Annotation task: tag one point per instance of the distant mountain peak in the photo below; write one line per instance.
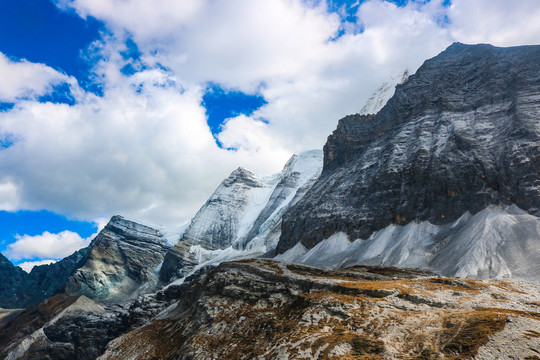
(243, 216)
(381, 96)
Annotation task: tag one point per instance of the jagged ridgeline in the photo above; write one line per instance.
(242, 218)
(458, 142)
(443, 180)
(121, 258)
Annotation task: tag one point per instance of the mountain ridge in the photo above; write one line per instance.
(458, 135)
(19, 289)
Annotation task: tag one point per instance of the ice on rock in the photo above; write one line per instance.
(383, 94)
(242, 218)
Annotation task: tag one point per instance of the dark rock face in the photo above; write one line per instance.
(179, 261)
(19, 289)
(12, 279)
(121, 258)
(81, 336)
(460, 134)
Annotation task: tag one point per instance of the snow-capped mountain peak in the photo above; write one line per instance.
(381, 96)
(243, 215)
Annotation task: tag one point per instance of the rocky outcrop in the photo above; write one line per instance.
(76, 327)
(123, 256)
(459, 135)
(19, 289)
(242, 218)
(264, 309)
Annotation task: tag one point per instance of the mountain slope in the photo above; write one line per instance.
(242, 218)
(19, 289)
(459, 135)
(494, 243)
(12, 278)
(122, 257)
(380, 97)
(264, 309)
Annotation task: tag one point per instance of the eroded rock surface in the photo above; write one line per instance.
(122, 257)
(265, 309)
(459, 135)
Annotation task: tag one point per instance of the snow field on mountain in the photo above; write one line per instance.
(497, 242)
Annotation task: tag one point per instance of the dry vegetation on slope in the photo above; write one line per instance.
(262, 309)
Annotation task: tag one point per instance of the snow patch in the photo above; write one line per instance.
(497, 242)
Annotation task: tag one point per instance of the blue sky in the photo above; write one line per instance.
(36, 30)
(141, 108)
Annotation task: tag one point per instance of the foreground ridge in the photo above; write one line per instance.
(265, 309)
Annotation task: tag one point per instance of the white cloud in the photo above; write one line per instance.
(46, 245)
(8, 196)
(238, 43)
(498, 22)
(29, 265)
(23, 79)
(144, 149)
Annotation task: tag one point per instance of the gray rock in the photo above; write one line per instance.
(460, 134)
(122, 257)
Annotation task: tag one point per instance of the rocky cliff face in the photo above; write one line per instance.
(263, 309)
(242, 218)
(19, 289)
(75, 327)
(459, 135)
(12, 278)
(122, 257)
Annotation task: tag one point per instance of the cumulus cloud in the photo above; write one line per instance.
(24, 79)
(238, 43)
(8, 196)
(497, 22)
(144, 149)
(46, 245)
(29, 265)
